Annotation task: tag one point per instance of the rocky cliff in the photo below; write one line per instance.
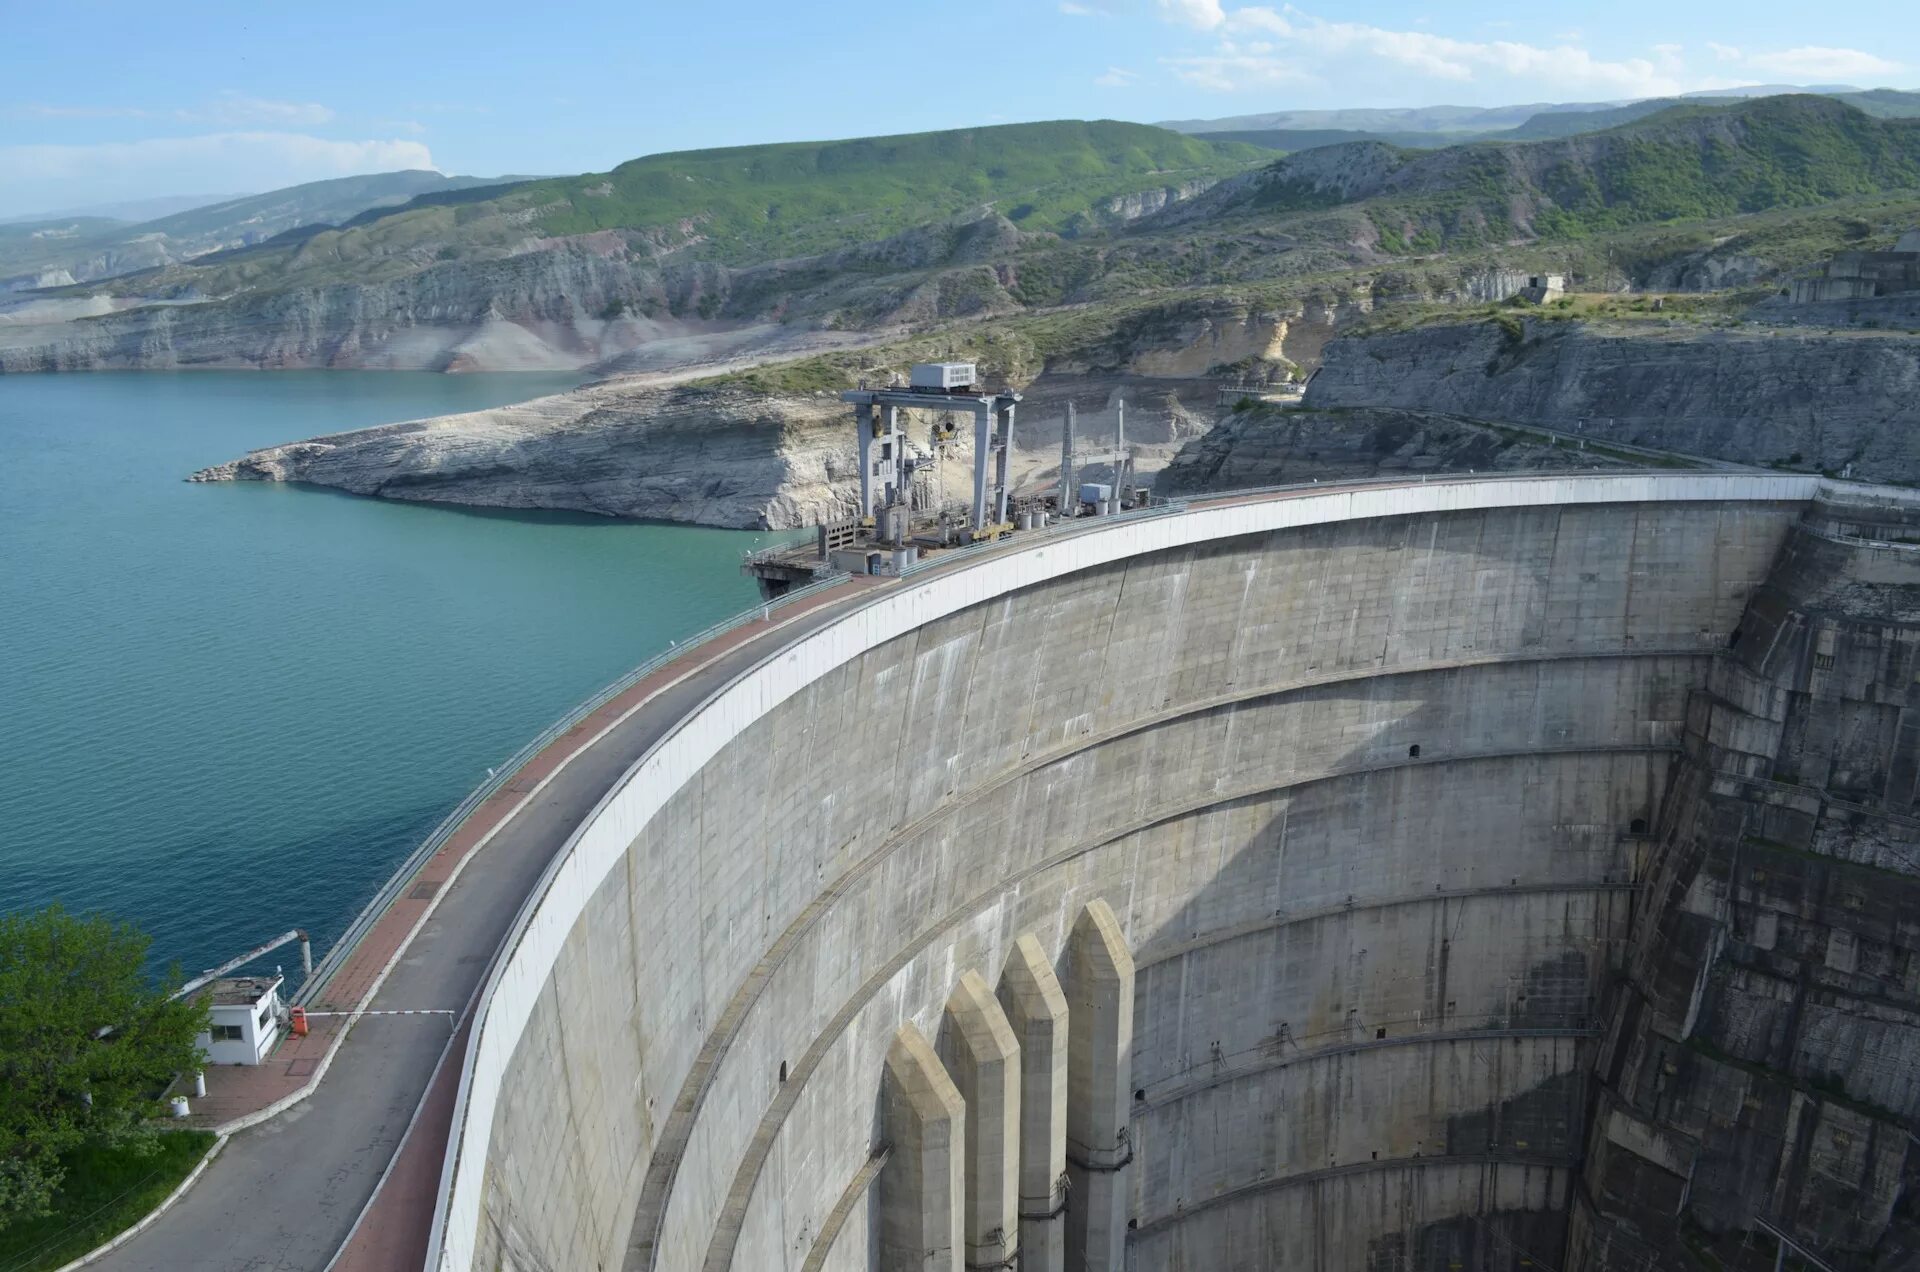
(1274, 445)
(1754, 395)
(580, 301)
(1757, 1072)
(715, 454)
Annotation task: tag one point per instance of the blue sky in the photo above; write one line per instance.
(106, 101)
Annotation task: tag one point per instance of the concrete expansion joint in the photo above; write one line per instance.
(1103, 1161)
(662, 1176)
(1155, 954)
(716, 1126)
(1055, 1207)
(1174, 1090)
(1185, 1211)
(749, 1169)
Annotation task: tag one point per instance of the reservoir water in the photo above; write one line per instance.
(230, 710)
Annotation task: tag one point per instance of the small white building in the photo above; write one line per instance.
(245, 1014)
(1542, 288)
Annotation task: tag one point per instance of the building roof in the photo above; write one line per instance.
(230, 991)
(1909, 242)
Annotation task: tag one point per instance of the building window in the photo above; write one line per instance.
(227, 1033)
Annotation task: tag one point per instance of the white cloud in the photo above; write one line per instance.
(1258, 46)
(1814, 63)
(230, 109)
(1117, 77)
(1298, 47)
(44, 110)
(1231, 71)
(1204, 14)
(40, 176)
(235, 108)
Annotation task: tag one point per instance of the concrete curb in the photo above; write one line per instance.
(446, 1053)
(292, 1098)
(180, 1190)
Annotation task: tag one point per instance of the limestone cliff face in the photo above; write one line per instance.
(558, 308)
(720, 454)
(1758, 1067)
(548, 304)
(713, 456)
(1271, 446)
(1754, 395)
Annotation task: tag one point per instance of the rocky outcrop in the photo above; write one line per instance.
(560, 308)
(1757, 1071)
(713, 454)
(555, 304)
(1274, 445)
(1817, 399)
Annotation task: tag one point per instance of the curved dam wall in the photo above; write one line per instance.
(1366, 779)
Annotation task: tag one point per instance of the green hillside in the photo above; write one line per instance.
(1296, 139)
(1572, 123)
(748, 204)
(213, 226)
(1687, 162)
(752, 202)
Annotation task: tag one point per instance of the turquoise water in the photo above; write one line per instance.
(229, 710)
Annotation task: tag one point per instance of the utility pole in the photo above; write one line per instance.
(1068, 496)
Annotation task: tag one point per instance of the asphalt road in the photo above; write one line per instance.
(284, 1195)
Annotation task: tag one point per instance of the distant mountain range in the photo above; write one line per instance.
(129, 211)
(883, 234)
(1431, 127)
(90, 245)
(1686, 161)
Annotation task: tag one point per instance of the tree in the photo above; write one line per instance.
(87, 1046)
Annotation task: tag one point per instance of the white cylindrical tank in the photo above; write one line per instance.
(200, 1084)
(178, 1106)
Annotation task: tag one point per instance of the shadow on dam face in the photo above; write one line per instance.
(1367, 798)
(1381, 1004)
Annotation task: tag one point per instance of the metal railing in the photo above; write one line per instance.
(950, 557)
(498, 777)
(945, 558)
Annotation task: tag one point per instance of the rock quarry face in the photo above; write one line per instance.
(1753, 395)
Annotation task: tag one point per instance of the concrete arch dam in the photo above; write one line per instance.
(1243, 887)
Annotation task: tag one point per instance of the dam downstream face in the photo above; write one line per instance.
(1369, 802)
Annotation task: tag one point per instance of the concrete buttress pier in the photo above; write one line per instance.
(921, 1216)
(1099, 1089)
(1338, 814)
(983, 1058)
(1036, 1008)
